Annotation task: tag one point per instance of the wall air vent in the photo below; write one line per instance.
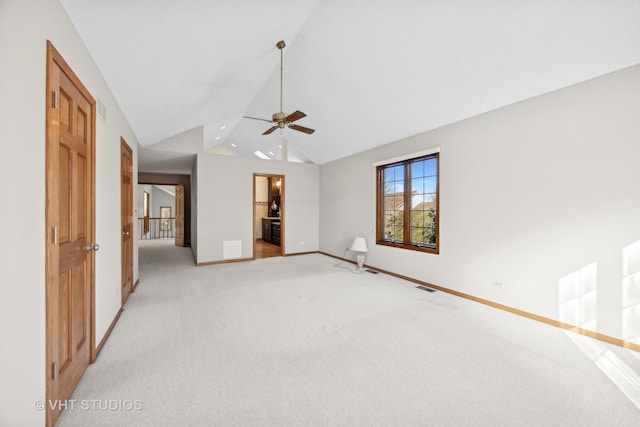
(102, 111)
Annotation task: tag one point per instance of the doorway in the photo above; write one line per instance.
(148, 206)
(268, 215)
(162, 208)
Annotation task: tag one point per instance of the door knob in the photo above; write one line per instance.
(125, 233)
(92, 247)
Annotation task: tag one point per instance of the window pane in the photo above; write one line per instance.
(394, 179)
(393, 225)
(389, 175)
(431, 167)
(417, 218)
(399, 172)
(393, 206)
(393, 203)
(417, 186)
(388, 202)
(423, 202)
(430, 184)
(417, 169)
(423, 227)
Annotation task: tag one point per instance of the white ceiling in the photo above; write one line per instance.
(366, 72)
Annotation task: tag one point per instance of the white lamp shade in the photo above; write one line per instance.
(359, 245)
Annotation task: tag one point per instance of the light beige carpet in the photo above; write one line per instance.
(294, 341)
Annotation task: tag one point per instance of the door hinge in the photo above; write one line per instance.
(54, 235)
(131, 169)
(54, 371)
(54, 99)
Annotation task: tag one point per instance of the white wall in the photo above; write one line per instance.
(194, 210)
(157, 198)
(529, 194)
(161, 198)
(142, 188)
(25, 27)
(191, 141)
(262, 189)
(225, 204)
(139, 212)
(261, 205)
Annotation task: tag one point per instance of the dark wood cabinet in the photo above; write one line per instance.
(271, 230)
(266, 230)
(275, 233)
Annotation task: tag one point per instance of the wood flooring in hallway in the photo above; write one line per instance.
(267, 250)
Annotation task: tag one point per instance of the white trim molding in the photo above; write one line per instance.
(407, 156)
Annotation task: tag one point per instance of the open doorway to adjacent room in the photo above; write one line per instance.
(268, 215)
(162, 208)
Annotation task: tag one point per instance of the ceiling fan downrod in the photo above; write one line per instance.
(280, 45)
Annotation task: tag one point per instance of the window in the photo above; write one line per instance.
(165, 218)
(407, 206)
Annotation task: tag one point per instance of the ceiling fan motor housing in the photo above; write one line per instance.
(280, 119)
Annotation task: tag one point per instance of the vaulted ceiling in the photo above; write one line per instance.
(366, 72)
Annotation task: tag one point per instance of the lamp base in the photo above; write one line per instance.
(360, 260)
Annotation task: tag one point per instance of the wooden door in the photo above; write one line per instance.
(126, 218)
(145, 214)
(70, 248)
(179, 215)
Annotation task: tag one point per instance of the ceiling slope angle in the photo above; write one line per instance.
(173, 66)
(366, 73)
(175, 154)
(379, 72)
(158, 161)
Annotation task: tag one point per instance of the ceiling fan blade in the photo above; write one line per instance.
(257, 118)
(271, 129)
(296, 115)
(299, 128)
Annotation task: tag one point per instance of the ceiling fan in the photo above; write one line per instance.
(281, 119)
